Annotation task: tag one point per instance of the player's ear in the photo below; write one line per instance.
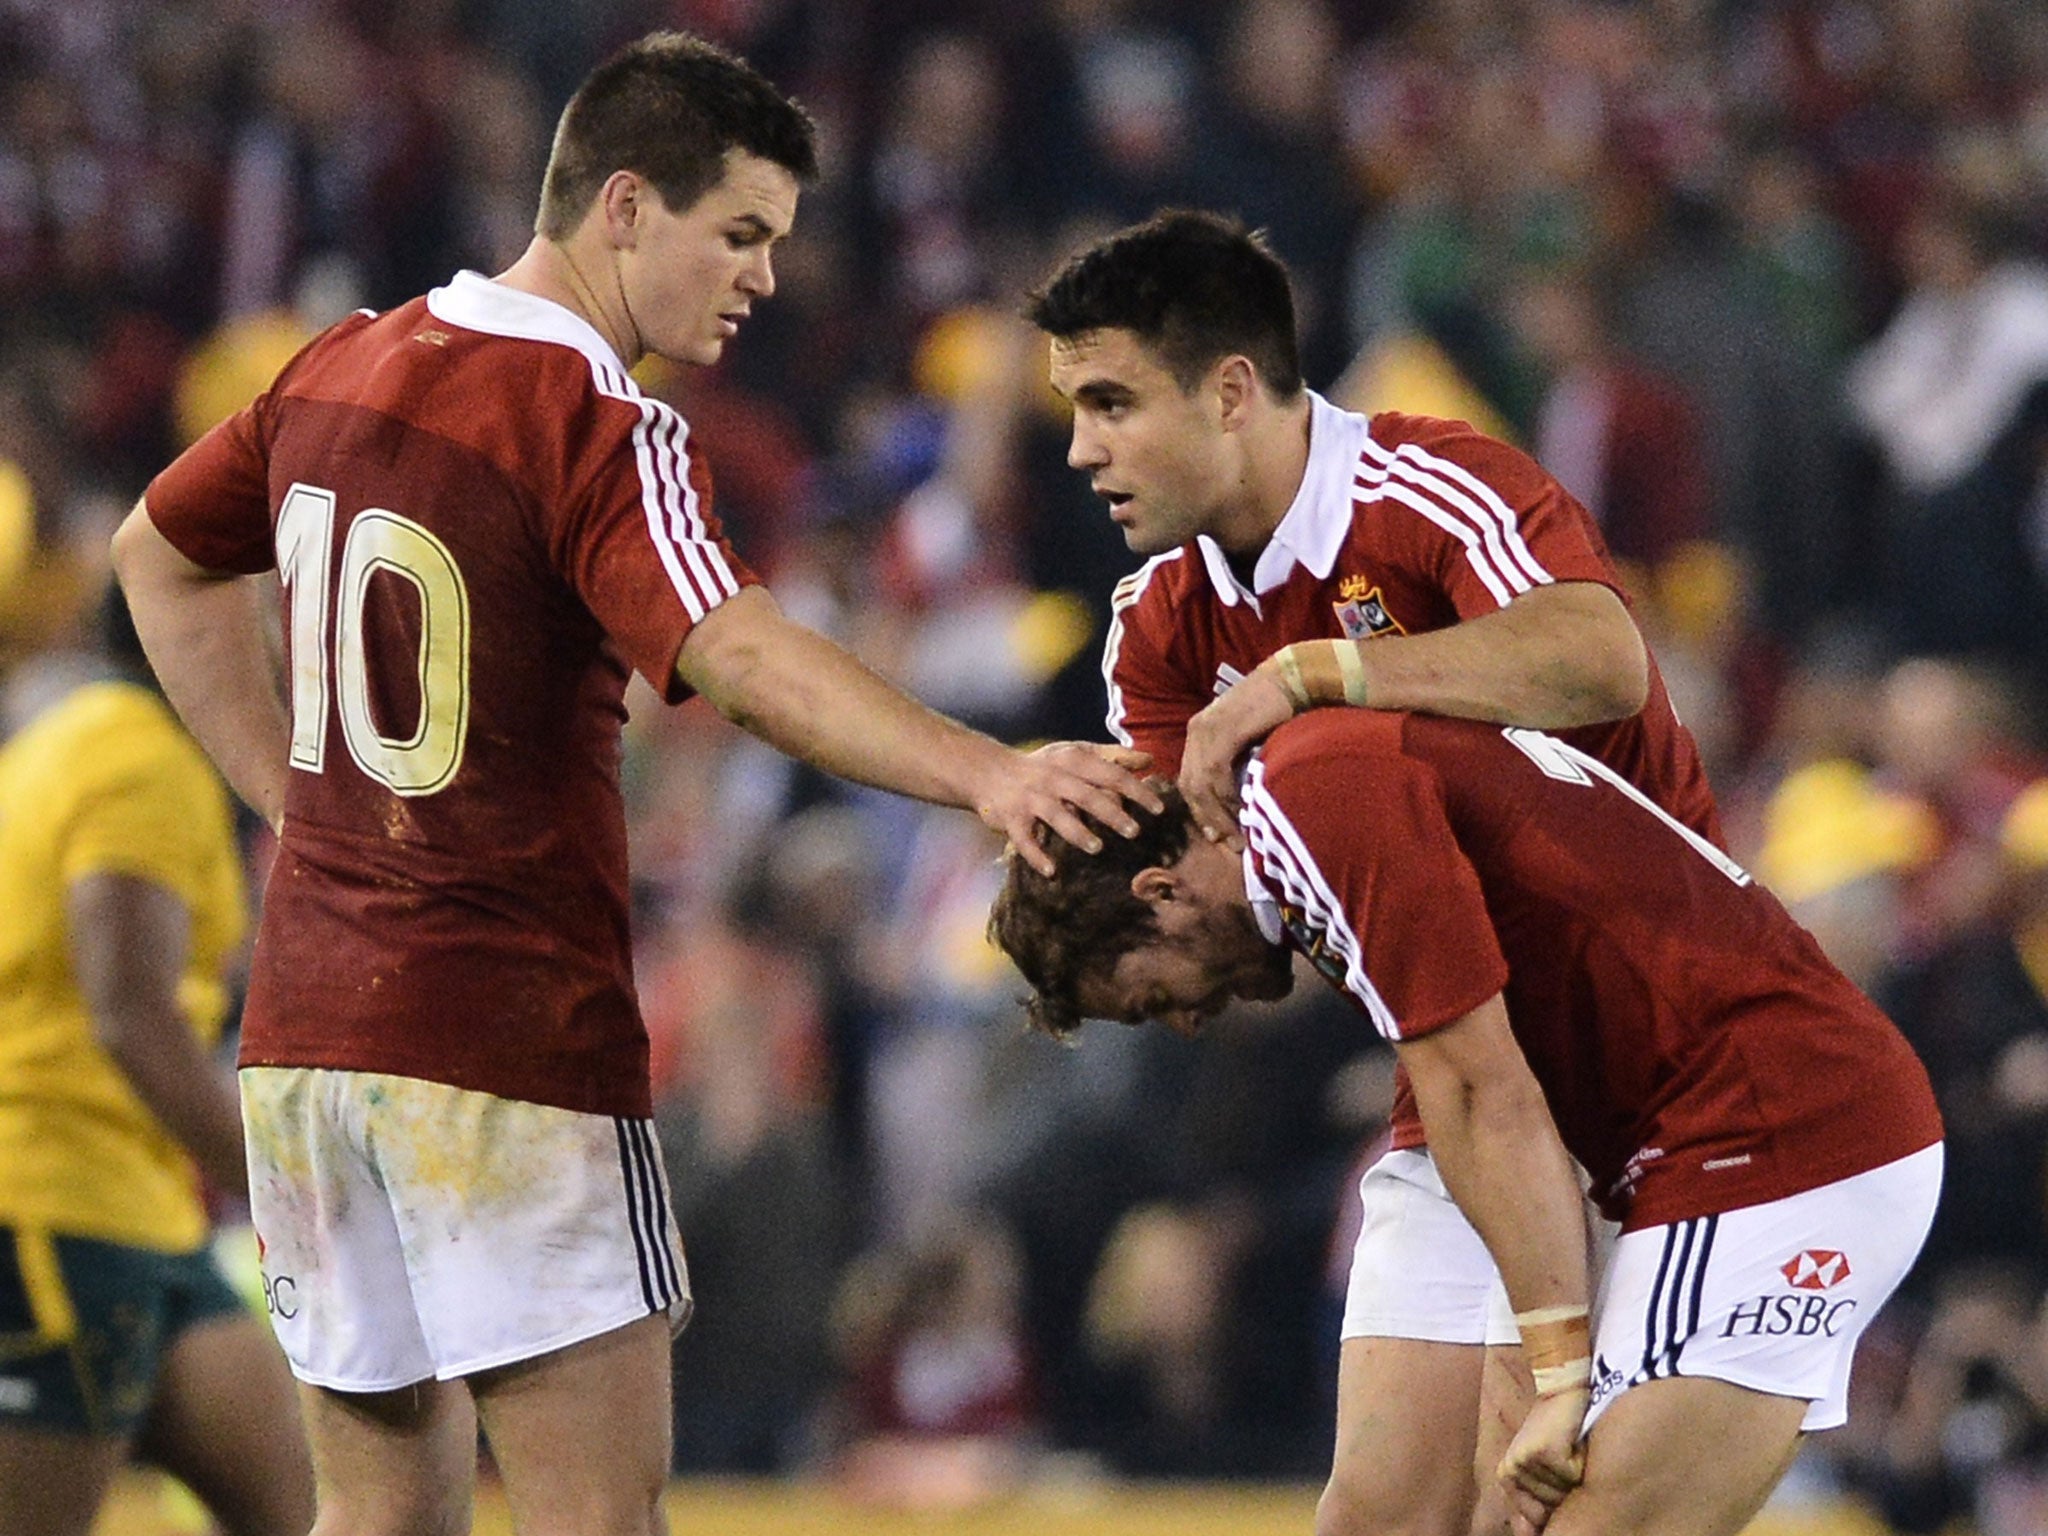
(1236, 384)
(1156, 885)
(618, 202)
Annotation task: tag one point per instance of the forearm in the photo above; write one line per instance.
(1497, 1149)
(182, 1086)
(209, 639)
(1560, 656)
(1501, 1160)
(807, 696)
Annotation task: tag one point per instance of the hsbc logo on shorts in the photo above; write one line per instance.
(281, 1296)
(1814, 1273)
(1815, 1269)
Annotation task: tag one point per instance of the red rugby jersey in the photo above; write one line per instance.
(1402, 524)
(481, 524)
(1698, 1051)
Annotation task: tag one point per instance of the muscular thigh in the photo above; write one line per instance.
(1682, 1457)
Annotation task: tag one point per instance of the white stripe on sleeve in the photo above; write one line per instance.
(1125, 594)
(677, 497)
(1285, 860)
(1455, 526)
(696, 567)
(1460, 503)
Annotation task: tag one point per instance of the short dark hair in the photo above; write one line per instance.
(668, 107)
(1194, 287)
(1072, 927)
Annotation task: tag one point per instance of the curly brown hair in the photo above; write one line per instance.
(1072, 927)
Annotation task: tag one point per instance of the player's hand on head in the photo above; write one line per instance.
(1218, 737)
(1546, 1460)
(1056, 784)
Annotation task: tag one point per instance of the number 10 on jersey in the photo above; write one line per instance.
(378, 540)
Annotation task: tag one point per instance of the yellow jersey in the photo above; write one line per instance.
(103, 782)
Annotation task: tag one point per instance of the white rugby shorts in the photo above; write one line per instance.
(1419, 1270)
(408, 1229)
(1772, 1297)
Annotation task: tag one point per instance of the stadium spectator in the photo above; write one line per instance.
(1954, 393)
(939, 1407)
(1619, 437)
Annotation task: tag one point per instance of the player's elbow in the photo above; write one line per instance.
(1620, 680)
(125, 552)
(732, 682)
(145, 562)
(1603, 664)
(730, 659)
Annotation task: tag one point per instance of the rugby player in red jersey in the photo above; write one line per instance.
(1568, 972)
(1460, 578)
(481, 524)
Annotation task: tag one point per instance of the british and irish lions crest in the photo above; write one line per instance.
(1361, 614)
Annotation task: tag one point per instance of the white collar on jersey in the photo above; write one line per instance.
(476, 303)
(1313, 529)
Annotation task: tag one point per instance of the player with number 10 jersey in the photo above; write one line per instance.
(467, 582)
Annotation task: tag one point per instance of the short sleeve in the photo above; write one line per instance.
(643, 548)
(1150, 699)
(1353, 836)
(213, 501)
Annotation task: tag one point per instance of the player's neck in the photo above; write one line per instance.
(1275, 462)
(553, 271)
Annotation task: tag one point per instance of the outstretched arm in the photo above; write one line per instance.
(1561, 655)
(1497, 1148)
(806, 696)
(209, 637)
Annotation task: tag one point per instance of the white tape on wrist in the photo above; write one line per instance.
(1352, 667)
(1287, 662)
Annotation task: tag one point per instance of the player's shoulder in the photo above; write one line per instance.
(1162, 583)
(1323, 745)
(1389, 432)
(523, 382)
(457, 336)
(102, 734)
(1442, 749)
(1314, 777)
(1447, 459)
(348, 346)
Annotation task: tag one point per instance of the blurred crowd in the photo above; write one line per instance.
(1764, 282)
